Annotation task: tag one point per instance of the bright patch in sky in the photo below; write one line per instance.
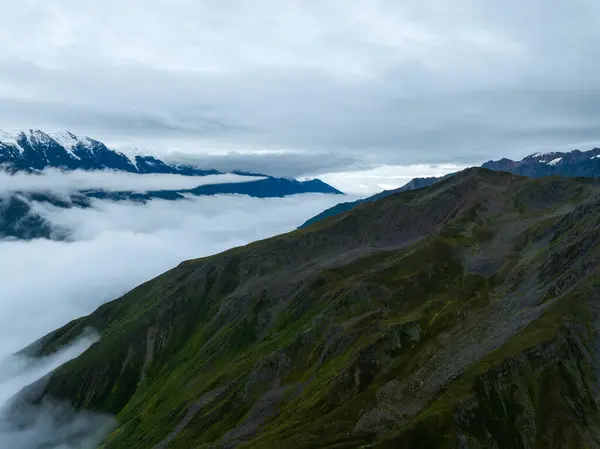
(387, 177)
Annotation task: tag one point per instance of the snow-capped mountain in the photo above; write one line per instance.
(36, 150)
(572, 163)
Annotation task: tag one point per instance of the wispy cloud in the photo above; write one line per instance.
(108, 180)
(53, 424)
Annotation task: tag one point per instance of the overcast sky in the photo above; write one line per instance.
(320, 85)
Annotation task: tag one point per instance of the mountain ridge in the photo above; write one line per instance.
(575, 163)
(572, 163)
(460, 314)
(413, 184)
(36, 150)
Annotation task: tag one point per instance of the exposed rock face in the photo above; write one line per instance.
(462, 315)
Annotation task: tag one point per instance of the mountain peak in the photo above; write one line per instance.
(66, 139)
(572, 163)
(34, 150)
(36, 136)
(69, 141)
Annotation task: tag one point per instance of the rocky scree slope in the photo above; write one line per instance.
(461, 315)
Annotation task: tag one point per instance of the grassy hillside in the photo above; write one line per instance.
(464, 314)
(416, 183)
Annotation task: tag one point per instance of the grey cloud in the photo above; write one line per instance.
(376, 82)
(284, 164)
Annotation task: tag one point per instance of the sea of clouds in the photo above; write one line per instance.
(113, 247)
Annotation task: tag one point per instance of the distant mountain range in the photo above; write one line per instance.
(574, 163)
(33, 151)
(571, 164)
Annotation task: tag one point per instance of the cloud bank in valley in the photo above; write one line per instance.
(59, 181)
(117, 245)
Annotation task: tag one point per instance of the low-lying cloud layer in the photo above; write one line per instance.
(59, 181)
(115, 246)
(52, 425)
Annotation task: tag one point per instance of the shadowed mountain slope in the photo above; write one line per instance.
(464, 314)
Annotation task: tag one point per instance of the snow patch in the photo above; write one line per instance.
(68, 141)
(35, 136)
(11, 138)
(132, 161)
(555, 161)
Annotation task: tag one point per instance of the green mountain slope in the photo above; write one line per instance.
(340, 208)
(464, 314)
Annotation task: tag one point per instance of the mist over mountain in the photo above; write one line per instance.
(34, 151)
